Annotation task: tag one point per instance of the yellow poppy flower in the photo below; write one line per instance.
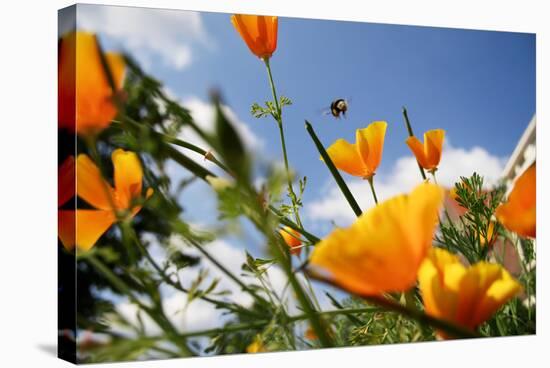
(428, 154)
(466, 296)
(292, 239)
(256, 346)
(519, 214)
(362, 158)
(109, 201)
(382, 250)
(85, 98)
(259, 32)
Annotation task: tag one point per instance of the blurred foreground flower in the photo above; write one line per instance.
(362, 158)
(256, 346)
(292, 239)
(428, 154)
(110, 203)
(467, 296)
(519, 214)
(66, 190)
(85, 98)
(382, 251)
(259, 32)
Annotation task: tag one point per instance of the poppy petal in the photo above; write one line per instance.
(91, 186)
(345, 157)
(128, 176)
(90, 225)
(519, 213)
(373, 134)
(418, 150)
(433, 141)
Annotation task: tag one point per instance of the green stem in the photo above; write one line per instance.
(411, 134)
(423, 318)
(202, 172)
(279, 119)
(316, 322)
(371, 183)
(156, 313)
(229, 273)
(178, 142)
(178, 286)
(433, 176)
(312, 238)
(261, 323)
(337, 177)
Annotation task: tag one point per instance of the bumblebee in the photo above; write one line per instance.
(339, 106)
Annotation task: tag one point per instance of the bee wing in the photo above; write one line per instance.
(324, 111)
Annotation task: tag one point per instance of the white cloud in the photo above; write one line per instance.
(199, 314)
(403, 176)
(148, 33)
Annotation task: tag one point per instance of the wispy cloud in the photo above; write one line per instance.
(148, 33)
(403, 176)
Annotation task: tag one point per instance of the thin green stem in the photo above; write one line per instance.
(177, 285)
(411, 134)
(203, 172)
(279, 119)
(230, 274)
(371, 184)
(156, 313)
(283, 220)
(433, 176)
(178, 142)
(317, 324)
(261, 323)
(337, 177)
(391, 305)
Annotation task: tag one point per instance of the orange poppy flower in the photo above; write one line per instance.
(428, 154)
(362, 158)
(519, 214)
(466, 296)
(292, 239)
(382, 251)
(66, 183)
(110, 203)
(85, 98)
(259, 32)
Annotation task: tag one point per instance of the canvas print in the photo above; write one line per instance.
(239, 184)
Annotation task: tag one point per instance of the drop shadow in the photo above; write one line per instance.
(48, 349)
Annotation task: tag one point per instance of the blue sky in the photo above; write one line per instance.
(477, 85)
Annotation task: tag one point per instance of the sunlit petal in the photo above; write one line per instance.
(464, 296)
(382, 250)
(519, 213)
(90, 225)
(258, 32)
(91, 186)
(128, 176)
(345, 157)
